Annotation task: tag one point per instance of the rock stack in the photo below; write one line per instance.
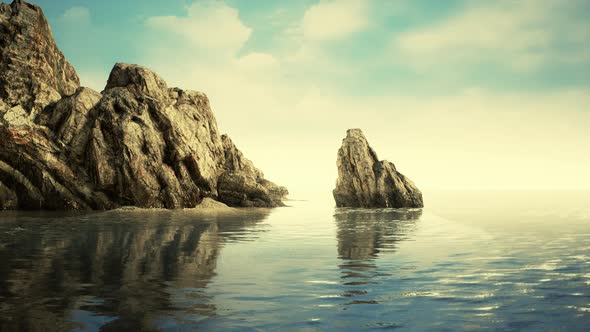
(364, 181)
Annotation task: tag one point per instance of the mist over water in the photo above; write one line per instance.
(501, 261)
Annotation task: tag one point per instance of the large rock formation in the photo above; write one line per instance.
(138, 143)
(364, 181)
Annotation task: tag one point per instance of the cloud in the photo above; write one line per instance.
(258, 61)
(77, 15)
(524, 34)
(335, 19)
(208, 25)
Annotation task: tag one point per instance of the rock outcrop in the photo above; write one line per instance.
(364, 181)
(138, 143)
(33, 71)
(242, 184)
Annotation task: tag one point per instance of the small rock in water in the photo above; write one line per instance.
(364, 181)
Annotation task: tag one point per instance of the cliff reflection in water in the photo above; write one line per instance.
(113, 270)
(362, 235)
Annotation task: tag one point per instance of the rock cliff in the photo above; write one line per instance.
(364, 181)
(138, 143)
(33, 71)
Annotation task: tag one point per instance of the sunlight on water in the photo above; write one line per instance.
(486, 266)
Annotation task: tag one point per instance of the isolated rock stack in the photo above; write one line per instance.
(137, 143)
(364, 181)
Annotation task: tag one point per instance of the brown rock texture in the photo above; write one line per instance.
(33, 71)
(138, 143)
(364, 181)
(242, 184)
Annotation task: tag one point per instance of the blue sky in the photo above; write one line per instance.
(114, 31)
(462, 94)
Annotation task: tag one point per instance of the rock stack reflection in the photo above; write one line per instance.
(362, 235)
(115, 274)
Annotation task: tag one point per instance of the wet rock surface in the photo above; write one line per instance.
(364, 181)
(138, 143)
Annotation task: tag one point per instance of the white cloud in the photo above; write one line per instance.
(257, 61)
(77, 15)
(520, 33)
(209, 25)
(335, 19)
(493, 27)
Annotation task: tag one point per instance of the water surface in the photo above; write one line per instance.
(493, 261)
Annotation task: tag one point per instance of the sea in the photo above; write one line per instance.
(468, 261)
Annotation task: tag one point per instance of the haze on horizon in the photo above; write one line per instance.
(465, 95)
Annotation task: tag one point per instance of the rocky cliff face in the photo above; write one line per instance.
(364, 181)
(242, 184)
(137, 143)
(33, 71)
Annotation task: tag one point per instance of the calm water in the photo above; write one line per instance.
(496, 261)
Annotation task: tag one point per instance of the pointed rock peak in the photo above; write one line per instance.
(355, 136)
(24, 11)
(355, 143)
(18, 5)
(139, 79)
(355, 132)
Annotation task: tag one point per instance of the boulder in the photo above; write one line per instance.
(364, 181)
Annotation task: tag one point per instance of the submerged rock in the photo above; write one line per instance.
(364, 181)
(138, 143)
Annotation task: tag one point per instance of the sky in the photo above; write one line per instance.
(459, 94)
